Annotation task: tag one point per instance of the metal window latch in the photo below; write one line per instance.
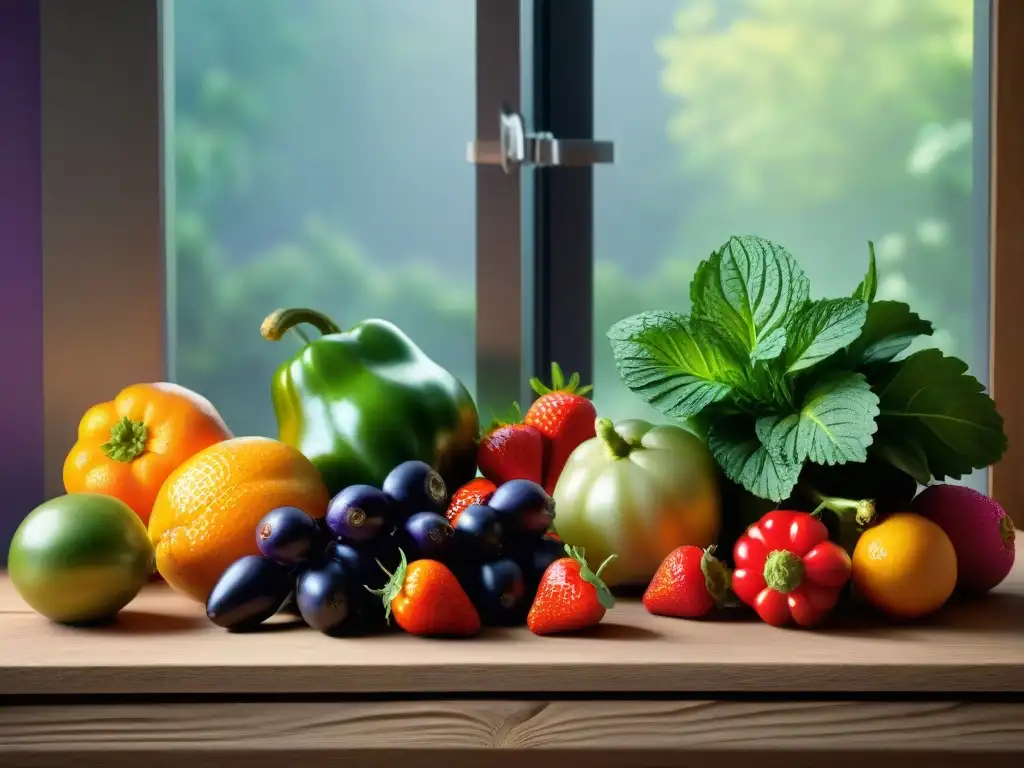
(516, 147)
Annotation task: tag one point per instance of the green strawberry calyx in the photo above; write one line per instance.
(604, 595)
(514, 415)
(717, 577)
(559, 383)
(393, 588)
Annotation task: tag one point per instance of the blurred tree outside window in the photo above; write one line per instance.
(302, 179)
(817, 124)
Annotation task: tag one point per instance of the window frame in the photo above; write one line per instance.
(104, 275)
(107, 288)
(1005, 238)
(534, 226)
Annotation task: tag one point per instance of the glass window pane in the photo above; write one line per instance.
(819, 125)
(319, 162)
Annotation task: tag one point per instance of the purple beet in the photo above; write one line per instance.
(981, 531)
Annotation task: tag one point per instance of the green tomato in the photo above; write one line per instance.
(81, 557)
(637, 491)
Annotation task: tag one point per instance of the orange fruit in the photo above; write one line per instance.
(905, 566)
(205, 515)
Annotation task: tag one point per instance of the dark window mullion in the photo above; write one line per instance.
(563, 232)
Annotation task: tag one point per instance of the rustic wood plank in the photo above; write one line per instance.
(163, 644)
(505, 733)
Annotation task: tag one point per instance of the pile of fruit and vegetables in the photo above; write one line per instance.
(783, 482)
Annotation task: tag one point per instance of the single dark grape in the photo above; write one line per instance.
(535, 556)
(523, 507)
(363, 572)
(289, 607)
(500, 593)
(322, 594)
(354, 560)
(287, 535)
(417, 486)
(428, 536)
(360, 513)
(364, 562)
(324, 532)
(249, 592)
(368, 609)
(479, 532)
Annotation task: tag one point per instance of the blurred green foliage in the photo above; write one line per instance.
(797, 104)
(818, 124)
(852, 115)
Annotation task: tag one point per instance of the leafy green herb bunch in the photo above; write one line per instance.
(777, 380)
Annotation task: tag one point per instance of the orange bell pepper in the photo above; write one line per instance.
(127, 447)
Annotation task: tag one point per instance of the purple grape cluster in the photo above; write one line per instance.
(325, 571)
(504, 549)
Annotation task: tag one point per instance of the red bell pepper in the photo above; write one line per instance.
(788, 570)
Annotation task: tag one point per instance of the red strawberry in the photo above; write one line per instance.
(426, 598)
(689, 583)
(570, 596)
(477, 491)
(564, 416)
(512, 452)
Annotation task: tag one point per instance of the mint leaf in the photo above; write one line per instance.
(769, 346)
(750, 288)
(675, 363)
(889, 329)
(735, 446)
(869, 285)
(821, 328)
(835, 425)
(930, 401)
(906, 455)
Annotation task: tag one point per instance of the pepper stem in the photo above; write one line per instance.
(619, 446)
(280, 321)
(127, 441)
(1007, 532)
(863, 509)
(783, 571)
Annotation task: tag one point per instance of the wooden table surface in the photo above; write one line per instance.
(163, 643)
(658, 688)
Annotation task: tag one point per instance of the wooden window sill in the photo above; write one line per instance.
(653, 687)
(163, 644)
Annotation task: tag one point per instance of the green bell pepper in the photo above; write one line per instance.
(360, 402)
